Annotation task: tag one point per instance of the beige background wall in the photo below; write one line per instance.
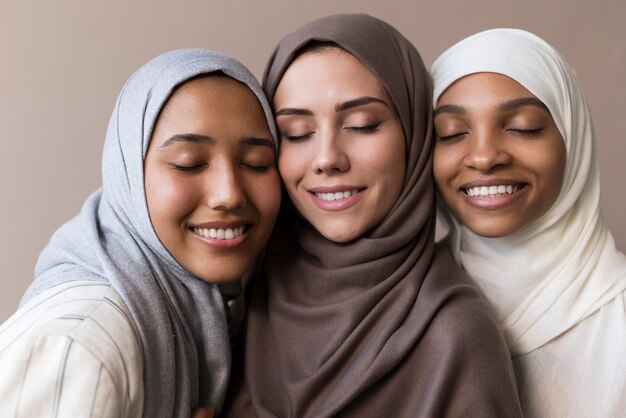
(62, 64)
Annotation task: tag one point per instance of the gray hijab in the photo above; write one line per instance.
(180, 319)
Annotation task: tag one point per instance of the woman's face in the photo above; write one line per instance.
(212, 186)
(342, 151)
(499, 158)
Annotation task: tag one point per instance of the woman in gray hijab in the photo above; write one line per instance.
(125, 317)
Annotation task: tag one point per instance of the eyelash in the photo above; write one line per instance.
(523, 132)
(365, 129)
(257, 168)
(197, 168)
(451, 137)
(361, 129)
(297, 138)
(188, 169)
(527, 132)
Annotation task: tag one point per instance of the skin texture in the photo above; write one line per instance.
(502, 135)
(222, 175)
(332, 141)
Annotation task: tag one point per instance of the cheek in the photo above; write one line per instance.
(554, 170)
(388, 157)
(168, 198)
(443, 163)
(447, 164)
(291, 164)
(438, 164)
(264, 194)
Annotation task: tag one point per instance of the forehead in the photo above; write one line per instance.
(210, 89)
(211, 97)
(328, 69)
(215, 106)
(484, 89)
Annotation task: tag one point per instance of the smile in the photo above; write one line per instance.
(496, 196)
(336, 198)
(487, 191)
(336, 195)
(224, 234)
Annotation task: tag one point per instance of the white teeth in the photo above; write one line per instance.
(336, 195)
(220, 233)
(491, 190)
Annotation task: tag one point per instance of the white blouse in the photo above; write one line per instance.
(581, 373)
(71, 351)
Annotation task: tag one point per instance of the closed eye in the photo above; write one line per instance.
(366, 128)
(297, 138)
(527, 132)
(189, 168)
(256, 167)
(451, 137)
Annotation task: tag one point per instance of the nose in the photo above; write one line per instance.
(331, 157)
(487, 152)
(224, 189)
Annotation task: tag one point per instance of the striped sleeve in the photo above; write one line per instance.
(74, 354)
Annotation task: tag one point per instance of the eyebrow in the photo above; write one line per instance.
(361, 101)
(254, 141)
(193, 138)
(524, 101)
(453, 109)
(203, 139)
(504, 107)
(293, 111)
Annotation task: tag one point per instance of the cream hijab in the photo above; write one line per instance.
(552, 274)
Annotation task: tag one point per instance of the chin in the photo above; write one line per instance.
(493, 231)
(219, 275)
(339, 236)
(338, 239)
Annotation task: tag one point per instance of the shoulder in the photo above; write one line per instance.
(463, 325)
(460, 302)
(89, 313)
(471, 352)
(72, 346)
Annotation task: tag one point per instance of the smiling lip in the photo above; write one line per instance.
(492, 194)
(222, 235)
(335, 198)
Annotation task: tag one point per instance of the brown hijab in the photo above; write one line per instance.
(386, 324)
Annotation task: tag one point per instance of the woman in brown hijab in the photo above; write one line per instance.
(357, 312)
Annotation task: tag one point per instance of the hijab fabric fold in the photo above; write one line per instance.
(346, 329)
(538, 295)
(179, 318)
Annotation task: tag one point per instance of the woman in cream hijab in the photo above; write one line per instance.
(516, 165)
